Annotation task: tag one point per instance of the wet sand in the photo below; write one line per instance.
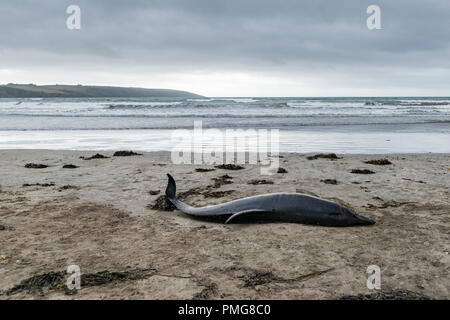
(99, 216)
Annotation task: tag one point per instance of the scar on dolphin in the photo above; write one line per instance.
(281, 207)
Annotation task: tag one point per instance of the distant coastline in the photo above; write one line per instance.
(12, 90)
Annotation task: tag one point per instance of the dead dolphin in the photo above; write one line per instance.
(284, 207)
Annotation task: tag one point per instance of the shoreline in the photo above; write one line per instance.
(112, 150)
(99, 216)
(288, 141)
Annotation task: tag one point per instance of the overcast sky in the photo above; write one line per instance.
(231, 47)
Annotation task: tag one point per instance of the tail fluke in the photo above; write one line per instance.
(170, 195)
(171, 187)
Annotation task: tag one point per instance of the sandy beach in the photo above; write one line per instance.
(101, 216)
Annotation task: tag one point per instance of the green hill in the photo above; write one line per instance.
(68, 91)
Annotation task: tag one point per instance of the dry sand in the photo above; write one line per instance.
(102, 222)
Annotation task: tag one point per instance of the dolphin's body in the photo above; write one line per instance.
(284, 207)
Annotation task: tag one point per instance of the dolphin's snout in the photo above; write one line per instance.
(353, 219)
(364, 220)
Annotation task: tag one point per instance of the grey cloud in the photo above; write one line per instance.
(287, 36)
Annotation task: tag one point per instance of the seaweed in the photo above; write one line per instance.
(35, 166)
(257, 278)
(51, 184)
(217, 194)
(68, 187)
(204, 170)
(56, 280)
(221, 180)
(397, 294)
(95, 156)
(329, 181)
(362, 171)
(209, 290)
(281, 170)
(331, 156)
(154, 192)
(69, 166)
(379, 162)
(190, 192)
(162, 203)
(105, 277)
(230, 167)
(263, 181)
(36, 284)
(125, 153)
(2, 227)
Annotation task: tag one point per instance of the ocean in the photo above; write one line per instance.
(341, 125)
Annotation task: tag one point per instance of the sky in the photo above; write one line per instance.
(232, 47)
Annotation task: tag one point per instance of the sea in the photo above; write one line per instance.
(352, 125)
